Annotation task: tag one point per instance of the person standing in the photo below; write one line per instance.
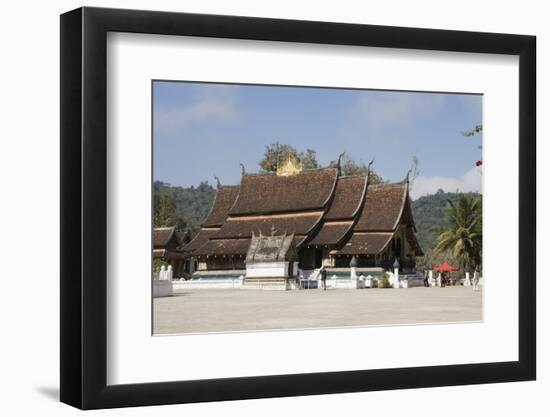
(426, 283)
(323, 272)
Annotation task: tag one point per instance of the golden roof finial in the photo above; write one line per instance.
(292, 166)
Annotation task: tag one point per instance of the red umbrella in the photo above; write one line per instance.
(444, 267)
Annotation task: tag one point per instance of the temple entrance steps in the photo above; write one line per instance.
(310, 273)
(265, 283)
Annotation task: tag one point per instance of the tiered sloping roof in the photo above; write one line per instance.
(348, 197)
(225, 198)
(166, 243)
(386, 206)
(317, 207)
(200, 239)
(339, 219)
(298, 224)
(163, 235)
(383, 207)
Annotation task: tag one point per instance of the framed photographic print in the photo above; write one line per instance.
(258, 208)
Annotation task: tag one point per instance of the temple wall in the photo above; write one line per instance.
(267, 269)
(220, 263)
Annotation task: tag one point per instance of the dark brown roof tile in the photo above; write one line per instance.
(348, 197)
(300, 225)
(200, 239)
(366, 244)
(383, 207)
(331, 233)
(225, 198)
(162, 235)
(269, 193)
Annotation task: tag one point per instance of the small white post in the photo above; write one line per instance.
(368, 281)
(431, 278)
(169, 273)
(467, 282)
(396, 278)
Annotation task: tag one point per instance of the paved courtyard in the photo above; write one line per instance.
(193, 311)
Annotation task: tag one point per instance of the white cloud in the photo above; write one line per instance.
(471, 181)
(212, 105)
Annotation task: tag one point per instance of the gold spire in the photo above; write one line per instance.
(292, 166)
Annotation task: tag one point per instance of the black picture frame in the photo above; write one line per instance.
(84, 207)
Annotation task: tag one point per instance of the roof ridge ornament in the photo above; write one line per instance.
(218, 183)
(369, 165)
(243, 169)
(369, 171)
(407, 176)
(292, 166)
(339, 162)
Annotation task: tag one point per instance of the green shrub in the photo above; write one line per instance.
(157, 263)
(384, 281)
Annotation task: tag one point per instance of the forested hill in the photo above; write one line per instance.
(429, 215)
(188, 207)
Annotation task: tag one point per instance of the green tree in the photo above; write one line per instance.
(462, 238)
(276, 152)
(164, 210)
(309, 159)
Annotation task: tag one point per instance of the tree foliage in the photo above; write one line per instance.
(164, 213)
(463, 236)
(349, 166)
(429, 217)
(277, 152)
(477, 129)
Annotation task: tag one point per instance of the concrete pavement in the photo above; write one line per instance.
(195, 311)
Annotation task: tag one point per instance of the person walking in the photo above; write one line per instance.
(443, 280)
(323, 272)
(426, 283)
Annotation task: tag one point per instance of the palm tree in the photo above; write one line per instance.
(463, 236)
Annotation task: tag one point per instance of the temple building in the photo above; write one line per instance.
(166, 247)
(306, 219)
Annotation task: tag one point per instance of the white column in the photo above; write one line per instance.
(467, 282)
(431, 278)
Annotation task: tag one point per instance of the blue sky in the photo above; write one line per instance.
(202, 130)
